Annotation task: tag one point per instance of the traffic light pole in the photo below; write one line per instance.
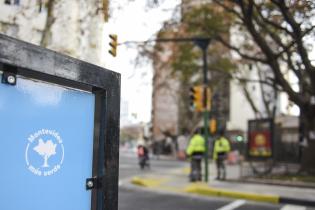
(203, 44)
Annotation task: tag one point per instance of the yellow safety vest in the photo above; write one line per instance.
(221, 145)
(196, 144)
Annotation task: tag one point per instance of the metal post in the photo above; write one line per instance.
(205, 112)
(203, 44)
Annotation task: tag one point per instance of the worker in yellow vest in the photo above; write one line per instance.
(195, 151)
(220, 151)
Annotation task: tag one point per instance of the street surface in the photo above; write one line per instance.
(135, 198)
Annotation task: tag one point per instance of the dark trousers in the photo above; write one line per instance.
(195, 166)
(221, 170)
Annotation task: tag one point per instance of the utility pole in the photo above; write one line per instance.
(203, 45)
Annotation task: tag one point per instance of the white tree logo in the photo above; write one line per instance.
(45, 144)
(46, 150)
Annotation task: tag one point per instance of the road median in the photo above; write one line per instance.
(203, 189)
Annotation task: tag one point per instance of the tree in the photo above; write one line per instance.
(278, 34)
(46, 150)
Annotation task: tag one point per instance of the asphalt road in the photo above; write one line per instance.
(134, 198)
(128, 165)
(144, 200)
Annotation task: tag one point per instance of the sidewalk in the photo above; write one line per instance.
(176, 180)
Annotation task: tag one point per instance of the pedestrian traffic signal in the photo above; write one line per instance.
(113, 44)
(196, 98)
(213, 126)
(239, 138)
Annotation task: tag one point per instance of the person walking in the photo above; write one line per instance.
(182, 142)
(143, 155)
(195, 152)
(220, 150)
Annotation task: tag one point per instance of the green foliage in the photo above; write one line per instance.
(223, 65)
(185, 61)
(206, 22)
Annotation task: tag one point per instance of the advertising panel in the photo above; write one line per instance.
(46, 146)
(260, 138)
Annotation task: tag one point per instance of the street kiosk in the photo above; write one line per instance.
(59, 131)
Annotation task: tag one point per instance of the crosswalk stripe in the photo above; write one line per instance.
(293, 207)
(233, 205)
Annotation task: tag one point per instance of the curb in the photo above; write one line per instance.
(205, 190)
(269, 182)
(296, 201)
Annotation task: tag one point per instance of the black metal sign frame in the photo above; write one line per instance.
(266, 124)
(21, 58)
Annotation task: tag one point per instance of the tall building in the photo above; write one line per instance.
(72, 27)
(165, 96)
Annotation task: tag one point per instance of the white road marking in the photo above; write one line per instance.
(233, 205)
(293, 207)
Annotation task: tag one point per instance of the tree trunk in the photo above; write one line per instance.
(46, 36)
(45, 161)
(308, 151)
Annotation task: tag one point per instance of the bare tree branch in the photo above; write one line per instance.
(238, 51)
(263, 94)
(298, 34)
(270, 22)
(228, 9)
(247, 80)
(251, 101)
(270, 55)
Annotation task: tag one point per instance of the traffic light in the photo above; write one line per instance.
(213, 126)
(113, 44)
(196, 98)
(208, 98)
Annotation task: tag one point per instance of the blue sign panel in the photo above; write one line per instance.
(46, 146)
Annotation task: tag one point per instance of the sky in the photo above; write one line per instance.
(134, 21)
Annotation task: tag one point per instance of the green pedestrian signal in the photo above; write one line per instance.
(239, 138)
